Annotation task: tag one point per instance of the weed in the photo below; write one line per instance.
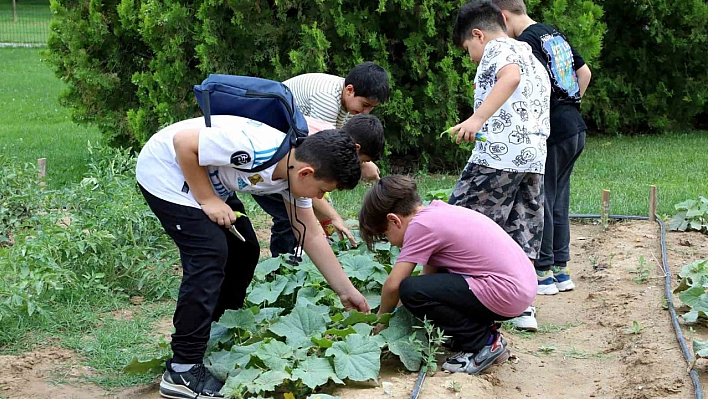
(436, 338)
(454, 386)
(642, 271)
(546, 350)
(635, 329)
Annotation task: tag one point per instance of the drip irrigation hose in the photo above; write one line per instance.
(419, 383)
(667, 286)
(669, 299)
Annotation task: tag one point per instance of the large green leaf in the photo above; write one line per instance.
(360, 267)
(299, 326)
(152, 366)
(266, 267)
(355, 317)
(409, 351)
(268, 314)
(236, 384)
(700, 349)
(242, 354)
(692, 295)
(267, 292)
(315, 371)
(405, 341)
(219, 334)
(268, 381)
(275, 355)
(357, 358)
(295, 281)
(222, 364)
(696, 272)
(242, 319)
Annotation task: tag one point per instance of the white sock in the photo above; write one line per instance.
(181, 367)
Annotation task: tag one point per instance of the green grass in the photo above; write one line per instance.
(34, 125)
(32, 25)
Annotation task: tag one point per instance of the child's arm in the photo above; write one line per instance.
(317, 247)
(186, 143)
(324, 210)
(584, 76)
(389, 292)
(508, 79)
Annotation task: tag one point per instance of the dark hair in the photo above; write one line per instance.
(369, 81)
(392, 194)
(477, 14)
(367, 131)
(517, 7)
(333, 156)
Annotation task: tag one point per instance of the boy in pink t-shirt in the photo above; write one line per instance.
(471, 277)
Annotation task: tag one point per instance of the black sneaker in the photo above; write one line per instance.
(195, 383)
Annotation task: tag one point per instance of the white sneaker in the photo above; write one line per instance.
(527, 320)
(548, 289)
(546, 283)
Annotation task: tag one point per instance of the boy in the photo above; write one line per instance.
(367, 132)
(471, 276)
(570, 76)
(504, 176)
(188, 175)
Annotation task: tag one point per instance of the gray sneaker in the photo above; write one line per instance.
(196, 383)
(475, 363)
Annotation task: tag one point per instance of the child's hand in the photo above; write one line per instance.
(354, 300)
(343, 230)
(369, 171)
(468, 129)
(379, 327)
(219, 212)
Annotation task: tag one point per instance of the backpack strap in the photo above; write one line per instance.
(206, 109)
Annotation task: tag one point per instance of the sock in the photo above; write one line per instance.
(560, 269)
(181, 367)
(492, 337)
(543, 274)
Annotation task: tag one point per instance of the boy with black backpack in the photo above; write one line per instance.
(188, 174)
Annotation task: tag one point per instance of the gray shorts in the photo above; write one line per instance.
(514, 200)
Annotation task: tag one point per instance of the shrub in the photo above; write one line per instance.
(131, 64)
(652, 74)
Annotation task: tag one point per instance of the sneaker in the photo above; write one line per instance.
(471, 363)
(195, 383)
(546, 284)
(527, 320)
(562, 279)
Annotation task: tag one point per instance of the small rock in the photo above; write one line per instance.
(387, 388)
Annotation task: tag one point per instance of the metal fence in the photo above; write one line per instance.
(24, 22)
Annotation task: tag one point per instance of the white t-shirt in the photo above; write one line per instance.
(517, 132)
(231, 142)
(319, 96)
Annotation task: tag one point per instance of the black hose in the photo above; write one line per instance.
(669, 299)
(419, 383)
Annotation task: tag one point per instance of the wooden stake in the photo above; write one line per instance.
(652, 203)
(14, 10)
(42, 168)
(605, 209)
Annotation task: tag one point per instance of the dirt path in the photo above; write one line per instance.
(586, 346)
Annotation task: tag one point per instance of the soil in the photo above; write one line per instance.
(586, 347)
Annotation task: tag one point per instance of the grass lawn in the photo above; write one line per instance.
(34, 124)
(32, 25)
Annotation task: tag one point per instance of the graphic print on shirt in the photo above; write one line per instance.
(221, 190)
(517, 127)
(560, 63)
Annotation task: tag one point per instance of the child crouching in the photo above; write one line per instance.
(471, 278)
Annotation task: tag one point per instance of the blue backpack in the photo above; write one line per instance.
(263, 100)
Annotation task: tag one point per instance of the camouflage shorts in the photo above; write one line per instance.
(514, 200)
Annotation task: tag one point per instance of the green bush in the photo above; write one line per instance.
(653, 67)
(91, 240)
(131, 64)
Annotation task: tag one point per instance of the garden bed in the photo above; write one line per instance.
(610, 338)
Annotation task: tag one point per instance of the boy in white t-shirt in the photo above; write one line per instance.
(189, 174)
(503, 178)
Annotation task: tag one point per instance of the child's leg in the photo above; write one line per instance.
(572, 148)
(204, 251)
(282, 238)
(241, 262)
(447, 301)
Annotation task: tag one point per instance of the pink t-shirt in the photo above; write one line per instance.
(463, 241)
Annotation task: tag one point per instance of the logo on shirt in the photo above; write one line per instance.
(255, 179)
(239, 158)
(241, 183)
